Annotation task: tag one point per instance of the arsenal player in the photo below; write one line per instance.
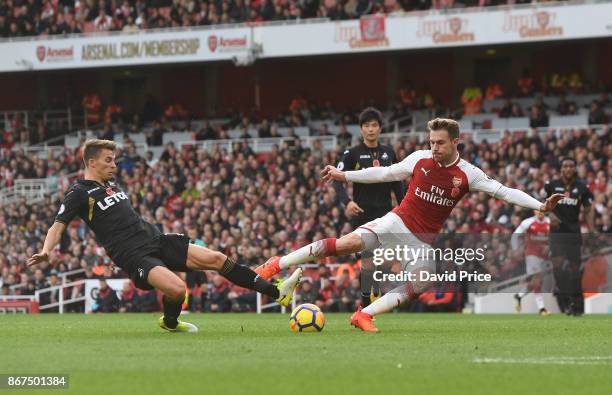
(440, 178)
(535, 229)
(370, 201)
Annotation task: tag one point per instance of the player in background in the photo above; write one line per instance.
(138, 247)
(370, 201)
(535, 231)
(440, 178)
(565, 236)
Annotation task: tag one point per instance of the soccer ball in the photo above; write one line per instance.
(307, 318)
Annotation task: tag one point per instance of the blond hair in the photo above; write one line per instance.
(450, 125)
(93, 147)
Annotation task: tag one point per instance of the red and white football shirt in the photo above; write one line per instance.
(536, 236)
(434, 189)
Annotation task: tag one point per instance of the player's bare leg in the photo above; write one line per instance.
(534, 285)
(362, 319)
(346, 245)
(174, 289)
(202, 258)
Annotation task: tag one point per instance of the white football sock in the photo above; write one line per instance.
(539, 301)
(311, 252)
(301, 255)
(388, 301)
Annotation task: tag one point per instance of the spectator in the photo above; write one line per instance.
(471, 100)
(516, 111)
(130, 26)
(107, 300)
(146, 301)
(506, 110)
(597, 116)
(92, 106)
(537, 117)
(350, 298)
(217, 301)
(207, 132)
(128, 294)
(308, 293)
(103, 22)
(525, 84)
(344, 136)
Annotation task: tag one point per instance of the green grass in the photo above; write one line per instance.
(257, 354)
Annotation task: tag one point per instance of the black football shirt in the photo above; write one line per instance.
(107, 211)
(568, 209)
(375, 198)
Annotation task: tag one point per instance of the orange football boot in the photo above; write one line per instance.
(269, 269)
(364, 322)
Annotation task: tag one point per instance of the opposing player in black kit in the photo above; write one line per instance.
(138, 247)
(565, 236)
(370, 201)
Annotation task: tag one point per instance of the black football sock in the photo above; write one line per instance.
(172, 310)
(365, 300)
(246, 278)
(368, 285)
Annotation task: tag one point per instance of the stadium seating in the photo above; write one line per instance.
(279, 202)
(83, 17)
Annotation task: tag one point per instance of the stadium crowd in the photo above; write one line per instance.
(254, 206)
(51, 17)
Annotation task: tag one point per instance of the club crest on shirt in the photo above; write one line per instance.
(109, 191)
(456, 182)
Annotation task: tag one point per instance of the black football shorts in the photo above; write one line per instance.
(168, 250)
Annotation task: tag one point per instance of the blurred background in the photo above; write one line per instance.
(226, 111)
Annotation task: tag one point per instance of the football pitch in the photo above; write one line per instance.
(258, 354)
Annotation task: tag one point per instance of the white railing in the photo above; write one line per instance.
(261, 144)
(5, 120)
(261, 307)
(495, 135)
(61, 302)
(51, 119)
(4, 298)
(33, 190)
(63, 276)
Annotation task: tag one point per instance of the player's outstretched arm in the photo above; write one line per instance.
(371, 175)
(550, 203)
(53, 237)
(479, 181)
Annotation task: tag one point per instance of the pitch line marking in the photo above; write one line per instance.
(587, 360)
